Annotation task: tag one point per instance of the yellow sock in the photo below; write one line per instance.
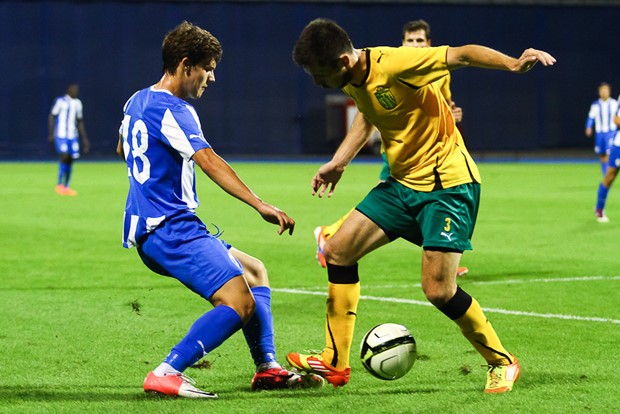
(342, 303)
(478, 330)
(333, 228)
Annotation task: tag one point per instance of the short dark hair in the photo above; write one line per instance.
(322, 42)
(416, 25)
(192, 42)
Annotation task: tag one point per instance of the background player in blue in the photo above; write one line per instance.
(610, 176)
(601, 124)
(162, 141)
(65, 128)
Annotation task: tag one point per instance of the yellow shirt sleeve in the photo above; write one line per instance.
(417, 66)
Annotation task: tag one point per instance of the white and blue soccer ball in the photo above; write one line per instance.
(388, 351)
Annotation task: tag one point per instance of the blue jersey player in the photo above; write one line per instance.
(66, 127)
(600, 123)
(162, 141)
(613, 166)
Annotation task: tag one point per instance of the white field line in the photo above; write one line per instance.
(489, 310)
(498, 282)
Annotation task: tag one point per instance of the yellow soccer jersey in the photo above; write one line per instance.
(401, 98)
(444, 87)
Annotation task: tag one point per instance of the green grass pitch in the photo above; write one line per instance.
(82, 320)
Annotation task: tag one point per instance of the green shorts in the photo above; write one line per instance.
(441, 219)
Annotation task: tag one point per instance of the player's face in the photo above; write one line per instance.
(200, 76)
(604, 92)
(330, 77)
(73, 91)
(416, 38)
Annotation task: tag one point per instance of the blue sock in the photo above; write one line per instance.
(259, 330)
(62, 171)
(206, 334)
(68, 170)
(604, 168)
(601, 197)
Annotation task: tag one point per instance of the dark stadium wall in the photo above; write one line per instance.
(261, 102)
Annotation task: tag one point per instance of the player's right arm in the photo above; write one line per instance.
(51, 121)
(590, 121)
(224, 176)
(330, 173)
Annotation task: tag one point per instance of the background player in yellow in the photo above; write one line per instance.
(416, 33)
(431, 198)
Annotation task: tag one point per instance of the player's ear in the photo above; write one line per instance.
(344, 60)
(185, 66)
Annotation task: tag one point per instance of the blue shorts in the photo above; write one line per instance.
(614, 155)
(602, 142)
(68, 146)
(182, 248)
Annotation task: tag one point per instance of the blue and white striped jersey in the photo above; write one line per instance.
(602, 114)
(160, 134)
(68, 111)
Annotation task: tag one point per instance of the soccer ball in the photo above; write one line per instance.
(388, 351)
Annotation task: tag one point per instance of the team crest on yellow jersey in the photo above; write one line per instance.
(385, 97)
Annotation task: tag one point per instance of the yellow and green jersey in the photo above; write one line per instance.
(401, 98)
(444, 87)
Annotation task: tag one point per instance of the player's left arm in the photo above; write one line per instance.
(119, 147)
(83, 135)
(224, 176)
(487, 58)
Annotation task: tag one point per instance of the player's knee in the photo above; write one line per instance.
(437, 294)
(335, 255)
(256, 274)
(244, 308)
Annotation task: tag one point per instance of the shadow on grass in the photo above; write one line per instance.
(90, 287)
(50, 394)
(328, 391)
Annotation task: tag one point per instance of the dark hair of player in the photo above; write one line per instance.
(416, 25)
(321, 43)
(187, 40)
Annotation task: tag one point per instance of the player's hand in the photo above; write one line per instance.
(530, 57)
(276, 216)
(86, 147)
(457, 112)
(589, 132)
(326, 177)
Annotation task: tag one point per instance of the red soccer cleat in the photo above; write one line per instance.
(280, 378)
(461, 271)
(319, 235)
(174, 385)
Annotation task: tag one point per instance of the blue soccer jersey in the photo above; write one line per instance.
(160, 134)
(67, 112)
(601, 115)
